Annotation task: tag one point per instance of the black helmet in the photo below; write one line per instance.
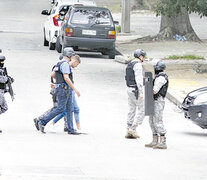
(2, 58)
(160, 66)
(139, 52)
(68, 51)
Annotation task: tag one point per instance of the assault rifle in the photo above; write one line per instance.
(9, 86)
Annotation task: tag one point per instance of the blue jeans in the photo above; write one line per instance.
(75, 109)
(64, 97)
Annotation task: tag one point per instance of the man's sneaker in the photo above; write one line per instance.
(0, 131)
(41, 127)
(65, 129)
(133, 133)
(74, 133)
(36, 124)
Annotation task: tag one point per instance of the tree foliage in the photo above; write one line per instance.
(170, 7)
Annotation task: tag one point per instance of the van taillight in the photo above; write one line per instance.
(112, 34)
(68, 31)
(55, 20)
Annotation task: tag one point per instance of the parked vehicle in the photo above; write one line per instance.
(88, 28)
(195, 107)
(52, 23)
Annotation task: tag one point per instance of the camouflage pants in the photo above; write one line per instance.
(136, 110)
(3, 104)
(156, 121)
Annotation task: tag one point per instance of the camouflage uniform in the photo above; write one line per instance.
(136, 107)
(156, 121)
(3, 80)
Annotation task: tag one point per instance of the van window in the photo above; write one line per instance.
(92, 17)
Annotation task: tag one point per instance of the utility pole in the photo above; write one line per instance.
(125, 18)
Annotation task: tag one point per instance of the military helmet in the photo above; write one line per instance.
(2, 58)
(139, 52)
(68, 51)
(160, 66)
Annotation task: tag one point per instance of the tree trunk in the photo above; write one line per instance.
(176, 24)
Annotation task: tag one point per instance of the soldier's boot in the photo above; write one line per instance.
(162, 144)
(0, 131)
(128, 136)
(133, 133)
(154, 142)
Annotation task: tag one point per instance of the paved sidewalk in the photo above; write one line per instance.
(184, 75)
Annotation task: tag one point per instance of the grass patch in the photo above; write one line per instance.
(118, 28)
(114, 9)
(186, 57)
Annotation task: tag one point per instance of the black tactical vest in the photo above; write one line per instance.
(130, 76)
(163, 90)
(59, 74)
(2, 73)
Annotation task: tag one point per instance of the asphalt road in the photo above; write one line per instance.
(103, 152)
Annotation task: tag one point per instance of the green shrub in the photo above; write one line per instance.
(186, 57)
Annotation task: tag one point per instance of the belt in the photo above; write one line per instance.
(63, 86)
(133, 87)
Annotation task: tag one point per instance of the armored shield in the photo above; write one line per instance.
(149, 99)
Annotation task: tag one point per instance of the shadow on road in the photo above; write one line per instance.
(95, 54)
(196, 134)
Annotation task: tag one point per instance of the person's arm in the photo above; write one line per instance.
(159, 82)
(53, 75)
(69, 82)
(138, 72)
(3, 78)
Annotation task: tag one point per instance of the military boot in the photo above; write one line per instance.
(0, 131)
(154, 141)
(133, 133)
(162, 144)
(129, 136)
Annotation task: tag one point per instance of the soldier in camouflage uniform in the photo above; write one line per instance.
(134, 81)
(3, 81)
(160, 86)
